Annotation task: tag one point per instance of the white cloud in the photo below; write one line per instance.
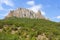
(6, 2)
(35, 8)
(31, 3)
(58, 17)
(42, 12)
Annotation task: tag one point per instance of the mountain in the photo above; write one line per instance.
(24, 24)
(29, 29)
(25, 13)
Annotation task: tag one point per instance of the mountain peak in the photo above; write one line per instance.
(25, 13)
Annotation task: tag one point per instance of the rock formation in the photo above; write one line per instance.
(25, 13)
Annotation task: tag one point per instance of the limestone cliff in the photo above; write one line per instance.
(25, 13)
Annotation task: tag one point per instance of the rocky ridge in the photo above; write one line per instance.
(25, 13)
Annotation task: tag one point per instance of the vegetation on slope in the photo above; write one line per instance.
(28, 29)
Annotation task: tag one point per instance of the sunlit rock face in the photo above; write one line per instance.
(25, 13)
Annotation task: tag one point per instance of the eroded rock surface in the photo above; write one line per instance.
(25, 13)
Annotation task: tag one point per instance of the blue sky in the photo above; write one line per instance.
(48, 8)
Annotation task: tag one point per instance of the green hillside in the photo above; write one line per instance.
(28, 29)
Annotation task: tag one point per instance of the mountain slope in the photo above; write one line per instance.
(29, 29)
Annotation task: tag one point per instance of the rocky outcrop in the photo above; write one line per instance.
(42, 37)
(25, 13)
